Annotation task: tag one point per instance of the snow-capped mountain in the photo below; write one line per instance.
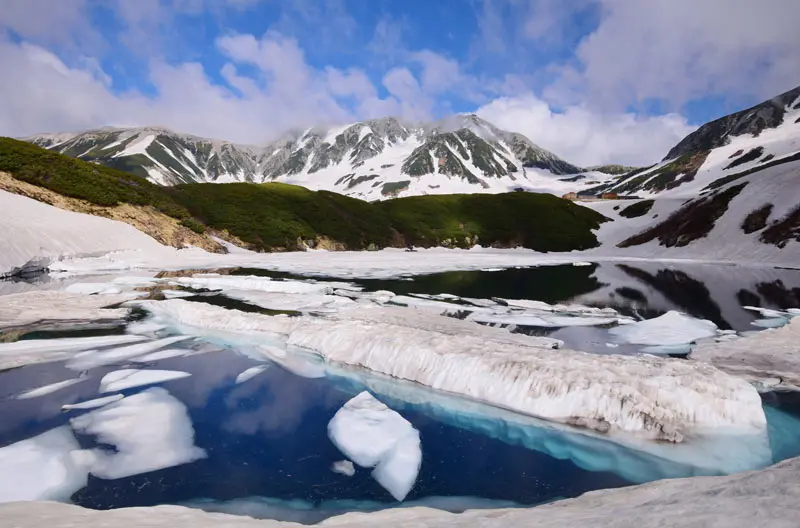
(371, 160)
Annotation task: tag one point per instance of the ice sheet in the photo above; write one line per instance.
(647, 396)
(150, 430)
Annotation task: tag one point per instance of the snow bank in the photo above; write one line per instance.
(128, 378)
(372, 435)
(150, 430)
(672, 328)
(45, 467)
(652, 397)
(32, 234)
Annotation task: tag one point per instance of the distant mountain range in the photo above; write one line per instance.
(374, 159)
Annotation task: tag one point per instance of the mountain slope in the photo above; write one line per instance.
(732, 192)
(375, 159)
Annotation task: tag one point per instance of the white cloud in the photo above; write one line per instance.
(584, 137)
(680, 50)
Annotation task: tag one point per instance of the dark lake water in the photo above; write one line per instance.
(266, 441)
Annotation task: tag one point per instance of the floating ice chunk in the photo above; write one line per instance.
(581, 263)
(66, 344)
(372, 435)
(175, 294)
(379, 296)
(92, 404)
(45, 467)
(669, 349)
(765, 312)
(292, 301)
(672, 328)
(525, 303)
(109, 357)
(136, 281)
(264, 284)
(93, 288)
(162, 354)
(48, 389)
(344, 467)
(145, 328)
(150, 430)
(398, 471)
(250, 373)
(302, 365)
(365, 429)
(545, 321)
(771, 322)
(128, 378)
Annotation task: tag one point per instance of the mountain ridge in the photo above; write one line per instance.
(370, 159)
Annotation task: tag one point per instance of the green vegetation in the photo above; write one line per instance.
(71, 177)
(638, 209)
(614, 170)
(276, 216)
(757, 220)
(538, 221)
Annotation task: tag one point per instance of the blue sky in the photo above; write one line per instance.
(593, 80)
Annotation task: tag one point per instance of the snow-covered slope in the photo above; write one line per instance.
(375, 159)
(730, 190)
(35, 233)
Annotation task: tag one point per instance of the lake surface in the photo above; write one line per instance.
(265, 445)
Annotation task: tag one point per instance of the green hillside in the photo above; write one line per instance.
(277, 216)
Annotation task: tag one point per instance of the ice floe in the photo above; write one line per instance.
(648, 396)
(38, 350)
(46, 467)
(162, 354)
(250, 373)
(374, 436)
(672, 328)
(343, 467)
(292, 301)
(128, 378)
(94, 359)
(93, 288)
(92, 404)
(48, 389)
(263, 284)
(150, 430)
